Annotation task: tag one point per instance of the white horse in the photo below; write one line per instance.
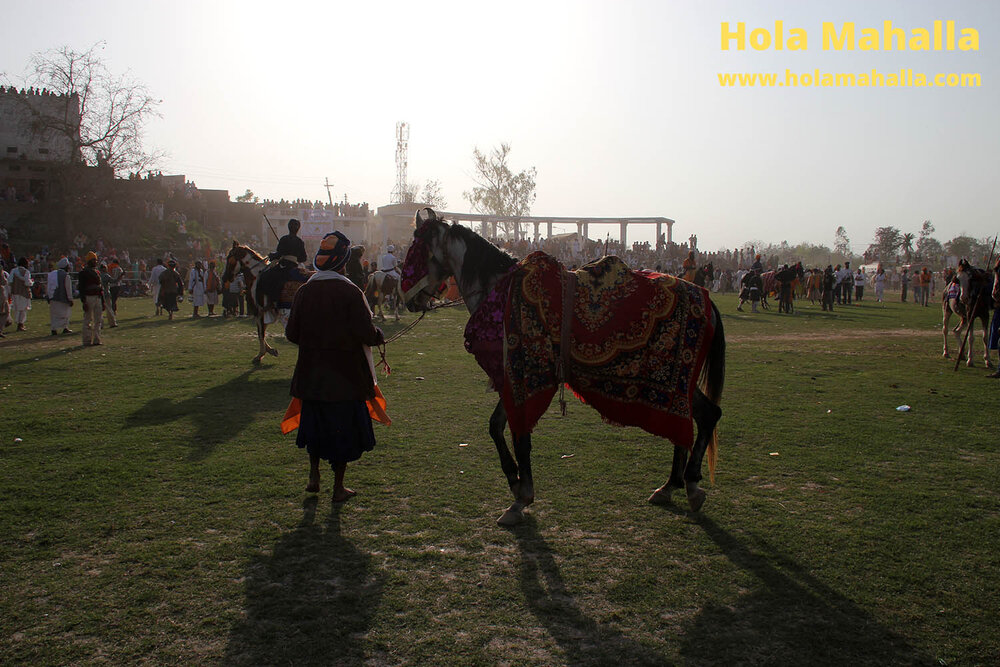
(378, 290)
(968, 310)
(251, 264)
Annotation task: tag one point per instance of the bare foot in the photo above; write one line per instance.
(343, 495)
(313, 485)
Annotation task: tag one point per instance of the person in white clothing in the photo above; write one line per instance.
(859, 285)
(196, 287)
(387, 262)
(154, 283)
(4, 300)
(20, 287)
(878, 280)
(59, 290)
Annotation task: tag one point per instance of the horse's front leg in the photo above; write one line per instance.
(960, 339)
(944, 332)
(498, 422)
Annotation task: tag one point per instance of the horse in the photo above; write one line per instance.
(704, 276)
(251, 264)
(486, 278)
(383, 287)
(970, 301)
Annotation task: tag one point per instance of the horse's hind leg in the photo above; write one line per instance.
(986, 343)
(706, 415)
(262, 345)
(676, 481)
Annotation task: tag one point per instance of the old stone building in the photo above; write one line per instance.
(29, 148)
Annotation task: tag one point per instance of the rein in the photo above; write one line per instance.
(399, 334)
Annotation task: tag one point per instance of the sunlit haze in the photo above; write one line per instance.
(616, 104)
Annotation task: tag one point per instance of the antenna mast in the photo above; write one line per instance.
(399, 194)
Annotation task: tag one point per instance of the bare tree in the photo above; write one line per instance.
(432, 195)
(498, 190)
(102, 116)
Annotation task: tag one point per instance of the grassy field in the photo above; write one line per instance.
(152, 513)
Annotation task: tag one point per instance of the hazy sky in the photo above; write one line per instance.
(616, 103)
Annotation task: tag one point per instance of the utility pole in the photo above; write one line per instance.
(328, 195)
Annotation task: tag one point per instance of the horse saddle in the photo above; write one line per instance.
(277, 285)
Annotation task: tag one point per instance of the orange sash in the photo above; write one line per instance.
(376, 409)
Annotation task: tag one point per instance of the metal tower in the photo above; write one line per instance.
(400, 194)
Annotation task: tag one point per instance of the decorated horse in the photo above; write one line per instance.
(383, 288)
(245, 260)
(644, 349)
(968, 297)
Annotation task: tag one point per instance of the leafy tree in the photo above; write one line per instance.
(887, 242)
(841, 244)
(967, 247)
(248, 197)
(432, 195)
(104, 115)
(928, 248)
(498, 190)
(906, 245)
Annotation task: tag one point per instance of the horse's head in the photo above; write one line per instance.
(426, 265)
(239, 256)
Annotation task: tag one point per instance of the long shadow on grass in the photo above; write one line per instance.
(584, 640)
(791, 618)
(77, 347)
(310, 602)
(220, 413)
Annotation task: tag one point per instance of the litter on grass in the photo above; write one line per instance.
(903, 408)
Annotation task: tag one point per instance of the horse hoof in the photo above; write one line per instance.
(696, 499)
(660, 497)
(256, 361)
(510, 518)
(273, 352)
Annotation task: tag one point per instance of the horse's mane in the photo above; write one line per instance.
(483, 260)
(253, 253)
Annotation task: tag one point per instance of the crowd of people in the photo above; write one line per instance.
(169, 278)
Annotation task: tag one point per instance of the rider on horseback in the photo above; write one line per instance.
(387, 263)
(291, 251)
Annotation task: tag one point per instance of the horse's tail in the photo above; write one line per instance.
(713, 376)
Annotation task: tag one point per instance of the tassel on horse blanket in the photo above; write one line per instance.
(568, 298)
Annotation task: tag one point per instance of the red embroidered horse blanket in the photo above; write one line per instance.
(637, 342)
